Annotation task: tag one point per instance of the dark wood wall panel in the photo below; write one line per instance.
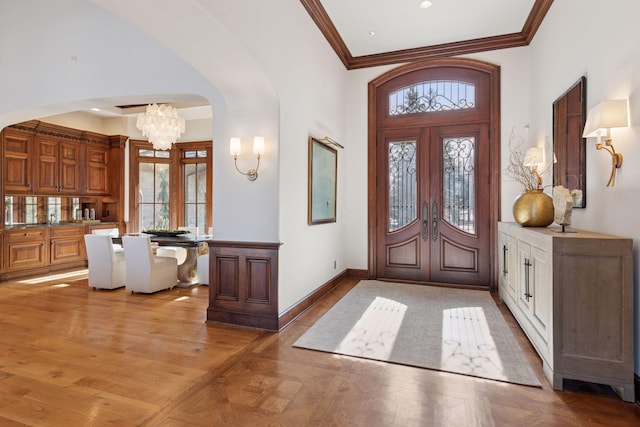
(244, 285)
(259, 278)
(227, 278)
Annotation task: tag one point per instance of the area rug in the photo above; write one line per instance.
(453, 330)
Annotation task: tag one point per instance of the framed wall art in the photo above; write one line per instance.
(323, 175)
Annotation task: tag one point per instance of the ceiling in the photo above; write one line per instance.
(367, 33)
(191, 107)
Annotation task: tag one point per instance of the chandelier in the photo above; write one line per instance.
(161, 125)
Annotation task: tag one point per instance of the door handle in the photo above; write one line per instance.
(504, 260)
(434, 220)
(527, 267)
(425, 221)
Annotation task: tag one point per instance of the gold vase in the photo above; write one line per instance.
(533, 208)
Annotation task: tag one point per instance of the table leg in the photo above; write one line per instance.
(187, 271)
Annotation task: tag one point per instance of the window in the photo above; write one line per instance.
(173, 187)
(153, 184)
(195, 185)
(432, 95)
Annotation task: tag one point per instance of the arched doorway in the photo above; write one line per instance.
(434, 172)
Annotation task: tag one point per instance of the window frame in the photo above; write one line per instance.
(176, 161)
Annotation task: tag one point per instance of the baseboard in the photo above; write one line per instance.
(358, 274)
(250, 320)
(290, 315)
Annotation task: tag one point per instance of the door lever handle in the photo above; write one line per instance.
(425, 221)
(434, 220)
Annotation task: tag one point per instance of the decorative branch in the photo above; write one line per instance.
(518, 169)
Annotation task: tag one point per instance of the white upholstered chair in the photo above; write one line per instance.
(180, 254)
(113, 232)
(106, 267)
(177, 252)
(147, 272)
(203, 268)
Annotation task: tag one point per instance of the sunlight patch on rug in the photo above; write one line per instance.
(467, 344)
(375, 332)
(453, 330)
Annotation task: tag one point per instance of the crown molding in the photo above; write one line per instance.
(324, 23)
(523, 38)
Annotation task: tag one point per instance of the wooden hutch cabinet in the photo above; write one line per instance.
(18, 151)
(96, 176)
(43, 160)
(58, 165)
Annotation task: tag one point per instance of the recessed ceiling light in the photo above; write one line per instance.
(425, 4)
(95, 109)
(372, 33)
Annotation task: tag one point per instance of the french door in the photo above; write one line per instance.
(434, 190)
(433, 196)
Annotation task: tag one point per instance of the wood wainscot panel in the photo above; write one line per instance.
(66, 245)
(227, 277)
(25, 249)
(243, 286)
(258, 282)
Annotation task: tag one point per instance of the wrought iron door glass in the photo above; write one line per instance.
(403, 183)
(458, 179)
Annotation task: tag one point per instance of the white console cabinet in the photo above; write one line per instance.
(572, 294)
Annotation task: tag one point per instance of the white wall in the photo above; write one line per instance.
(56, 55)
(203, 37)
(600, 40)
(356, 99)
(311, 84)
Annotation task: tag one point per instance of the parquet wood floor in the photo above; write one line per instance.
(72, 356)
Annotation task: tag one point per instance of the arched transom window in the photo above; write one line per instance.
(431, 96)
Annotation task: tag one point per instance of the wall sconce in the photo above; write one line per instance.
(534, 159)
(601, 118)
(235, 149)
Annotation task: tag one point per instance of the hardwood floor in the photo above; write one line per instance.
(72, 356)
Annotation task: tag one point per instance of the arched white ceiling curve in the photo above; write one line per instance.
(196, 35)
(73, 55)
